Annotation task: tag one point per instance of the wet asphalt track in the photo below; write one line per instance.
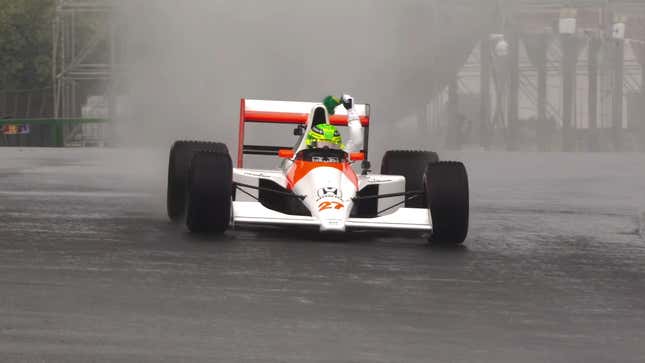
(91, 271)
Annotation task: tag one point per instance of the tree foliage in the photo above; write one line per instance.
(25, 43)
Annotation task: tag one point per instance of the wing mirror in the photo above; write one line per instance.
(357, 156)
(299, 131)
(286, 153)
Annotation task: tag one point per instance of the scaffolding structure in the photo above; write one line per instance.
(580, 83)
(566, 91)
(84, 56)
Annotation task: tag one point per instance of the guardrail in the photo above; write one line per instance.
(51, 132)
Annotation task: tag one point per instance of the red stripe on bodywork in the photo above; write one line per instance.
(301, 168)
(295, 118)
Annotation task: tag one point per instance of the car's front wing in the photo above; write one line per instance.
(415, 219)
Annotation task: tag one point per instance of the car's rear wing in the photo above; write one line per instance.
(288, 112)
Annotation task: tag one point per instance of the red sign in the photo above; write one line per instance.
(14, 129)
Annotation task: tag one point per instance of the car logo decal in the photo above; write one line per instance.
(328, 192)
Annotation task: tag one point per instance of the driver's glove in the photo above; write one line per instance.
(348, 103)
(355, 143)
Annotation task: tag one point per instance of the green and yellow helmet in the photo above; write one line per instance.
(324, 135)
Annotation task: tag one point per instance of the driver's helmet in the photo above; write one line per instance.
(324, 136)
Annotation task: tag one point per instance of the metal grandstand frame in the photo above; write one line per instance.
(79, 58)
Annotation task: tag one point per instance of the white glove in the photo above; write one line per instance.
(348, 102)
(355, 143)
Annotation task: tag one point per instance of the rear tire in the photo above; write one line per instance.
(412, 165)
(210, 188)
(181, 154)
(446, 187)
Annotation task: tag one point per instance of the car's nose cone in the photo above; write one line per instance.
(332, 225)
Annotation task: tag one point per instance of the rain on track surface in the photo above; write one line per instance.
(90, 270)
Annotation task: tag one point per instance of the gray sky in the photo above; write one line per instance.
(189, 62)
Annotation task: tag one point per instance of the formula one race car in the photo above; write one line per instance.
(315, 187)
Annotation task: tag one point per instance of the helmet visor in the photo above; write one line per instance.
(327, 144)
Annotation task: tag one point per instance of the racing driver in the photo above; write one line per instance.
(328, 136)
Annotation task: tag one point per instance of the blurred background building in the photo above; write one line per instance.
(550, 76)
(538, 75)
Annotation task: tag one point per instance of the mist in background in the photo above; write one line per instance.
(188, 63)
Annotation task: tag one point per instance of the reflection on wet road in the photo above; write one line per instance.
(90, 270)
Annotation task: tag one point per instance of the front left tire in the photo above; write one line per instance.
(447, 195)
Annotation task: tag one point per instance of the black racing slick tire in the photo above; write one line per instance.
(446, 187)
(210, 189)
(412, 165)
(181, 154)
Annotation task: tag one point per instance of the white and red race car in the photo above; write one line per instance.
(315, 187)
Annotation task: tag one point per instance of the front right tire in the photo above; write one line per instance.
(181, 155)
(210, 189)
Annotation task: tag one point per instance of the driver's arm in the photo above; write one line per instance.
(355, 142)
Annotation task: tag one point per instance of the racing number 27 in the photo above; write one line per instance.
(330, 205)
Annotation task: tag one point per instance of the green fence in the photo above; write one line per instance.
(44, 132)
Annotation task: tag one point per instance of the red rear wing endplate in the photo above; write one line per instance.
(286, 112)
